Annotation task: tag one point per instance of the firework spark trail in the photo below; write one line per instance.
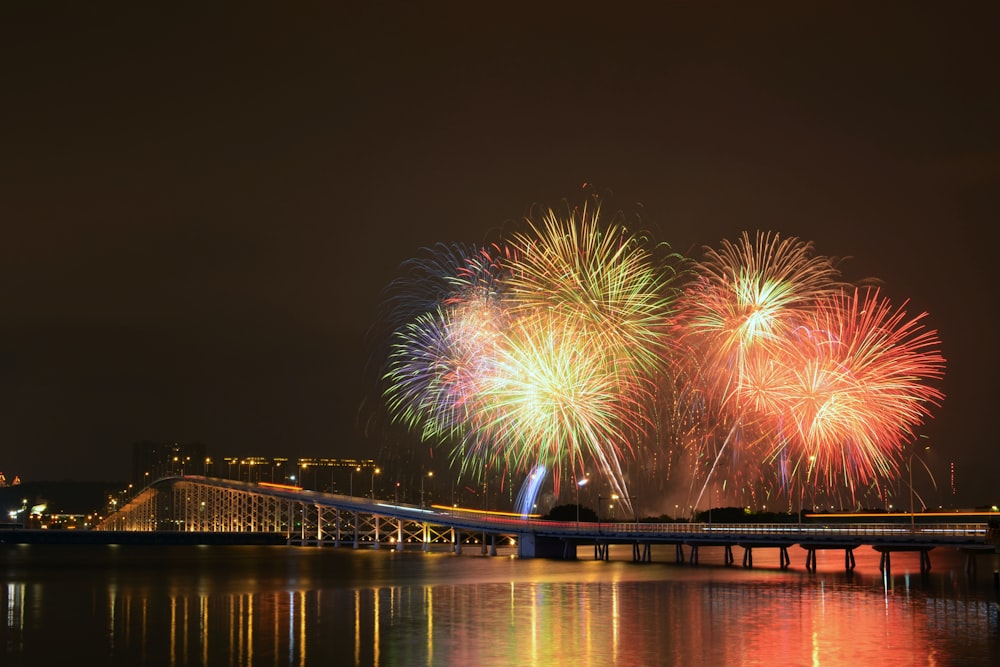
(448, 315)
(581, 268)
(834, 381)
(746, 298)
(543, 351)
(554, 397)
(552, 349)
(436, 365)
(857, 386)
(743, 302)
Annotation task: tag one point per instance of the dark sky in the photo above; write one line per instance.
(201, 206)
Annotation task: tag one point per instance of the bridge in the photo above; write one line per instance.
(196, 504)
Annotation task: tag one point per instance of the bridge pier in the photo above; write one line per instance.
(531, 545)
(848, 548)
(971, 553)
(486, 549)
(696, 548)
(783, 560)
(645, 556)
(679, 553)
(885, 562)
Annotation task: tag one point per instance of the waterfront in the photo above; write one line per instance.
(280, 605)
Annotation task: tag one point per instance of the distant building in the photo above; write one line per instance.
(153, 460)
(317, 474)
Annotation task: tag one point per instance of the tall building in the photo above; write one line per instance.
(316, 474)
(153, 460)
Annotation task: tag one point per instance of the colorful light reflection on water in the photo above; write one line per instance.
(309, 606)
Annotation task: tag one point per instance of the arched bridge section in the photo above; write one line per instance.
(213, 505)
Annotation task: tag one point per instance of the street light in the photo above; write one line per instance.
(802, 486)
(611, 506)
(375, 471)
(909, 465)
(357, 469)
(580, 483)
(429, 474)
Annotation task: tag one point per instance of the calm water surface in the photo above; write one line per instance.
(276, 605)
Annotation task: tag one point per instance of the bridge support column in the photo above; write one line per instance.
(378, 536)
(848, 560)
(427, 538)
(640, 553)
(783, 559)
(747, 556)
(679, 554)
(694, 554)
(729, 555)
(530, 545)
(336, 534)
(355, 529)
(399, 534)
(456, 541)
(493, 544)
(810, 560)
(600, 551)
(925, 561)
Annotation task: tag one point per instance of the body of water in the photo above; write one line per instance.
(277, 605)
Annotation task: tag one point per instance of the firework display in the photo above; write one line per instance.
(554, 349)
(813, 377)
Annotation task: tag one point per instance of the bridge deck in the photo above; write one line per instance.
(310, 517)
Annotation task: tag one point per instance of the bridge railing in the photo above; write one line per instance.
(976, 531)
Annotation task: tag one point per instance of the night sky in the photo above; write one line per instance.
(202, 206)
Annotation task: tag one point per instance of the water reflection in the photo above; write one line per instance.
(252, 606)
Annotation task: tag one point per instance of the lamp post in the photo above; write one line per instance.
(357, 469)
(909, 465)
(375, 471)
(802, 486)
(913, 519)
(430, 473)
(579, 483)
(611, 506)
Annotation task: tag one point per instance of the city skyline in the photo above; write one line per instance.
(202, 211)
